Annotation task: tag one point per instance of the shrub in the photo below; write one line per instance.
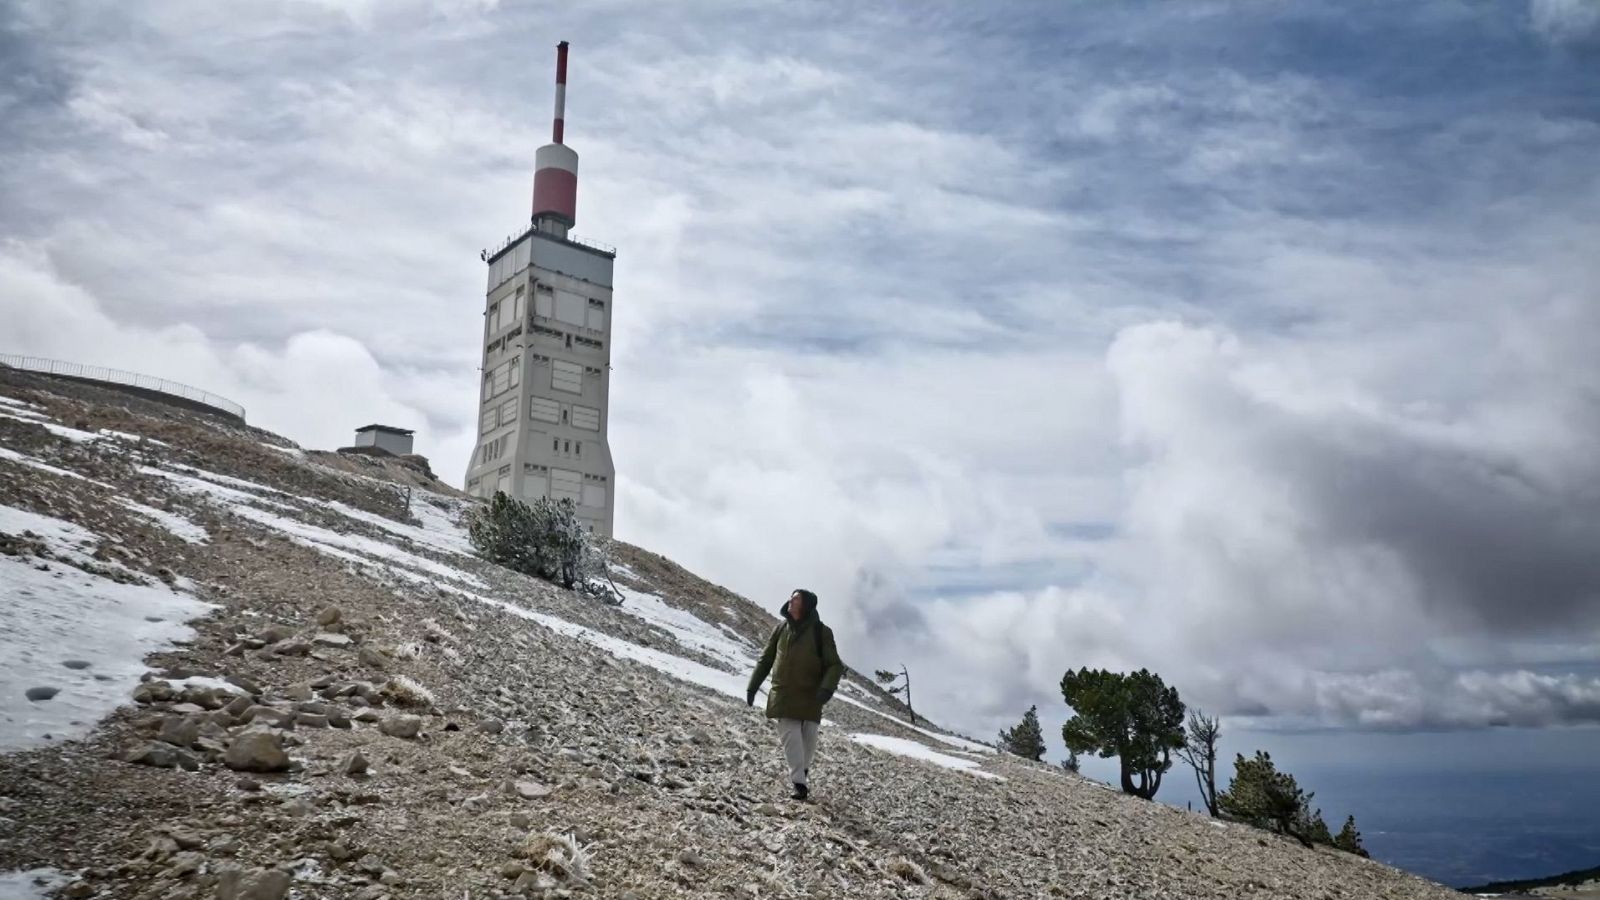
(544, 540)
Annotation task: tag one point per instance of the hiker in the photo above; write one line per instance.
(805, 671)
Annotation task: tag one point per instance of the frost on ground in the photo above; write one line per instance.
(181, 528)
(914, 750)
(72, 643)
(33, 884)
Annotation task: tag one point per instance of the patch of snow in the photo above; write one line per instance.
(65, 615)
(180, 527)
(295, 452)
(22, 406)
(354, 547)
(730, 684)
(72, 434)
(63, 538)
(202, 487)
(229, 480)
(206, 681)
(914, 750)
(960, 743)
(690, 630)
(131, 438)
(437, 530)
(32, 884)
(23, 459)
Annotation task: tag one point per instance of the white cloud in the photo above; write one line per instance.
(1565, 21)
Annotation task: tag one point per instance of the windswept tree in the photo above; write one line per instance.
(1134, 717)
(887, 680)
(1200, 752)
(1071, 763)
(1262, 796)
(1349, 839)
(545, 540)
(1025, 740)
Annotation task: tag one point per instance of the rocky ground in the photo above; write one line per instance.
(367, 711)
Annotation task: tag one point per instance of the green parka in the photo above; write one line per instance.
(805, 668)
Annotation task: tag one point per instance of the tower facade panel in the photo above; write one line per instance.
(545, 395)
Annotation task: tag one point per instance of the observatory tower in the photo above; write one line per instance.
(542, 410)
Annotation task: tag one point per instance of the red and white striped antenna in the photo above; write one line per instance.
(561, 89)
(555, 176)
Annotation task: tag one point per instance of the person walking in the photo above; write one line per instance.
(806, 669)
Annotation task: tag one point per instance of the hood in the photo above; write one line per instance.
(810, 612)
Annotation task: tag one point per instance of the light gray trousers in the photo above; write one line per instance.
(799, 739)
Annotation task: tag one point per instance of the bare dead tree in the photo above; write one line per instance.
(1200, 752)
(888, 679)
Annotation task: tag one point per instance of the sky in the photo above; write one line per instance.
(1250, 342)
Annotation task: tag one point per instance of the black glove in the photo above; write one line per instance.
(824, 695)
(750, 699)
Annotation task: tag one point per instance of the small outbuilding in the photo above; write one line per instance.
(382, 437)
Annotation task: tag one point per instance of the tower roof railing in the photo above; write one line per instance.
(120, 376)
(508, 243)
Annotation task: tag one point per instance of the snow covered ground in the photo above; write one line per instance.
(914, 750)
(72, 644)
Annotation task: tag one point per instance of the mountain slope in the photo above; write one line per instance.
(516, 738)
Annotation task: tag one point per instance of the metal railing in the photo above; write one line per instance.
(571, 238)
(119, 376)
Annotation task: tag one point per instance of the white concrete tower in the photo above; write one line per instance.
(543, 404)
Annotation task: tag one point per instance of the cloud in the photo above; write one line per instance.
(283, 386)
(1565, 21)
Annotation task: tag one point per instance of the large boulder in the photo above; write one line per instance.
(401, 726)
(257, 751)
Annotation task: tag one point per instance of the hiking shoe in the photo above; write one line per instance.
(801, 792)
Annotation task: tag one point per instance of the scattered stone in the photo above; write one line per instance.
(521, 820)
(272, 634)
(76, 663)
(373, 658)
(278, 717)
(491, 726)
(244, 684)
(179, 731)
(292, 648)
(255, 884)
(402, 726)
(532, 790)
(329, 615)
(257, 751)
(368, 715)
(329, 639)
(310, 720)
(153, 692)
(246, 783)
(354, 764)
(689, 857)
(161, 756)
(38, 694)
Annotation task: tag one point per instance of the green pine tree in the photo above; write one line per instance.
(1134, 717)
(1025, 740)
(1262, 796)
(1349, 839)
